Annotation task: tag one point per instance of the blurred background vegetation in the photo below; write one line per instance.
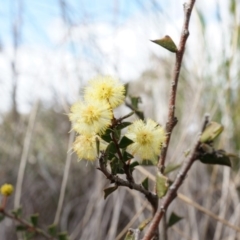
(48, 52)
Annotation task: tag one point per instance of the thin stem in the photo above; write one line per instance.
(194, 204)
(172, 120)
(172, 192)
(135, 110)
(151, 197)
(28, 226)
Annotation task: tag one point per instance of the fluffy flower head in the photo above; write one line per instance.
(6, 189)
(147, 139)
(105, 89)
(90, 117)
(86, 148)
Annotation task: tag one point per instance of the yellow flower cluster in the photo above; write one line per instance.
(147, 138)
(6, 189)
(94, 115)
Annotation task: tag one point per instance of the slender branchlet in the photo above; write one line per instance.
(151, 197)
(29, 226)
(172, 192)
(172, 120)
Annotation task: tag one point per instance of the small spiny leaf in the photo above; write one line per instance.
(174, 218)
(108, 191)
(167, 43)
(162, 185)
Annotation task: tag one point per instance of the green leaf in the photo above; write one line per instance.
(162, 185)
(133, 165)
(117, 133)
(129, 235)
(116, 166)
(122, 125)
(218, 157)
(126, 86)
(17, 212)
(126, 156)
(167, 43)
(124, 142)
(135, 101)
(233, 7)
(29, 235)
(186, 153)
(111, 149)
(108, 191)
(144, 224)
(212, 130)
(107, 136)
(20, 228)
(34, 219)
(62, 236)
(52, 230)
(145, 183)
(97, 145)
(171, 167)
(140, 114)
(174, 218)
(1, 217)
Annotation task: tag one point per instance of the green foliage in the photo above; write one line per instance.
(126, 86)
(62, 236)
(135, 101)
(29, 235)
(162, 185)
(135, 106)
(107, 136)
(111, 149)
(117, 133)
(211, 132)
(144, 223)
(97, 146)
(219, 157)
(125, 142)
(166, 43)
(108, 191)
(116, 166)
(123, 125)
(171, 167)
(52, 230)
(126, 155)
(129, 235)
(145, 183)
(133, 165)
(34, 219)
(21, 228)
(17, 212)
(208, 153)
(173, 219)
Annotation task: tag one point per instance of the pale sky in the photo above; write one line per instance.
(54, 58)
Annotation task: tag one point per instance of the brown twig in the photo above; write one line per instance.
(172, 120)
(172, 193)
(151, 197)
(29, 226)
